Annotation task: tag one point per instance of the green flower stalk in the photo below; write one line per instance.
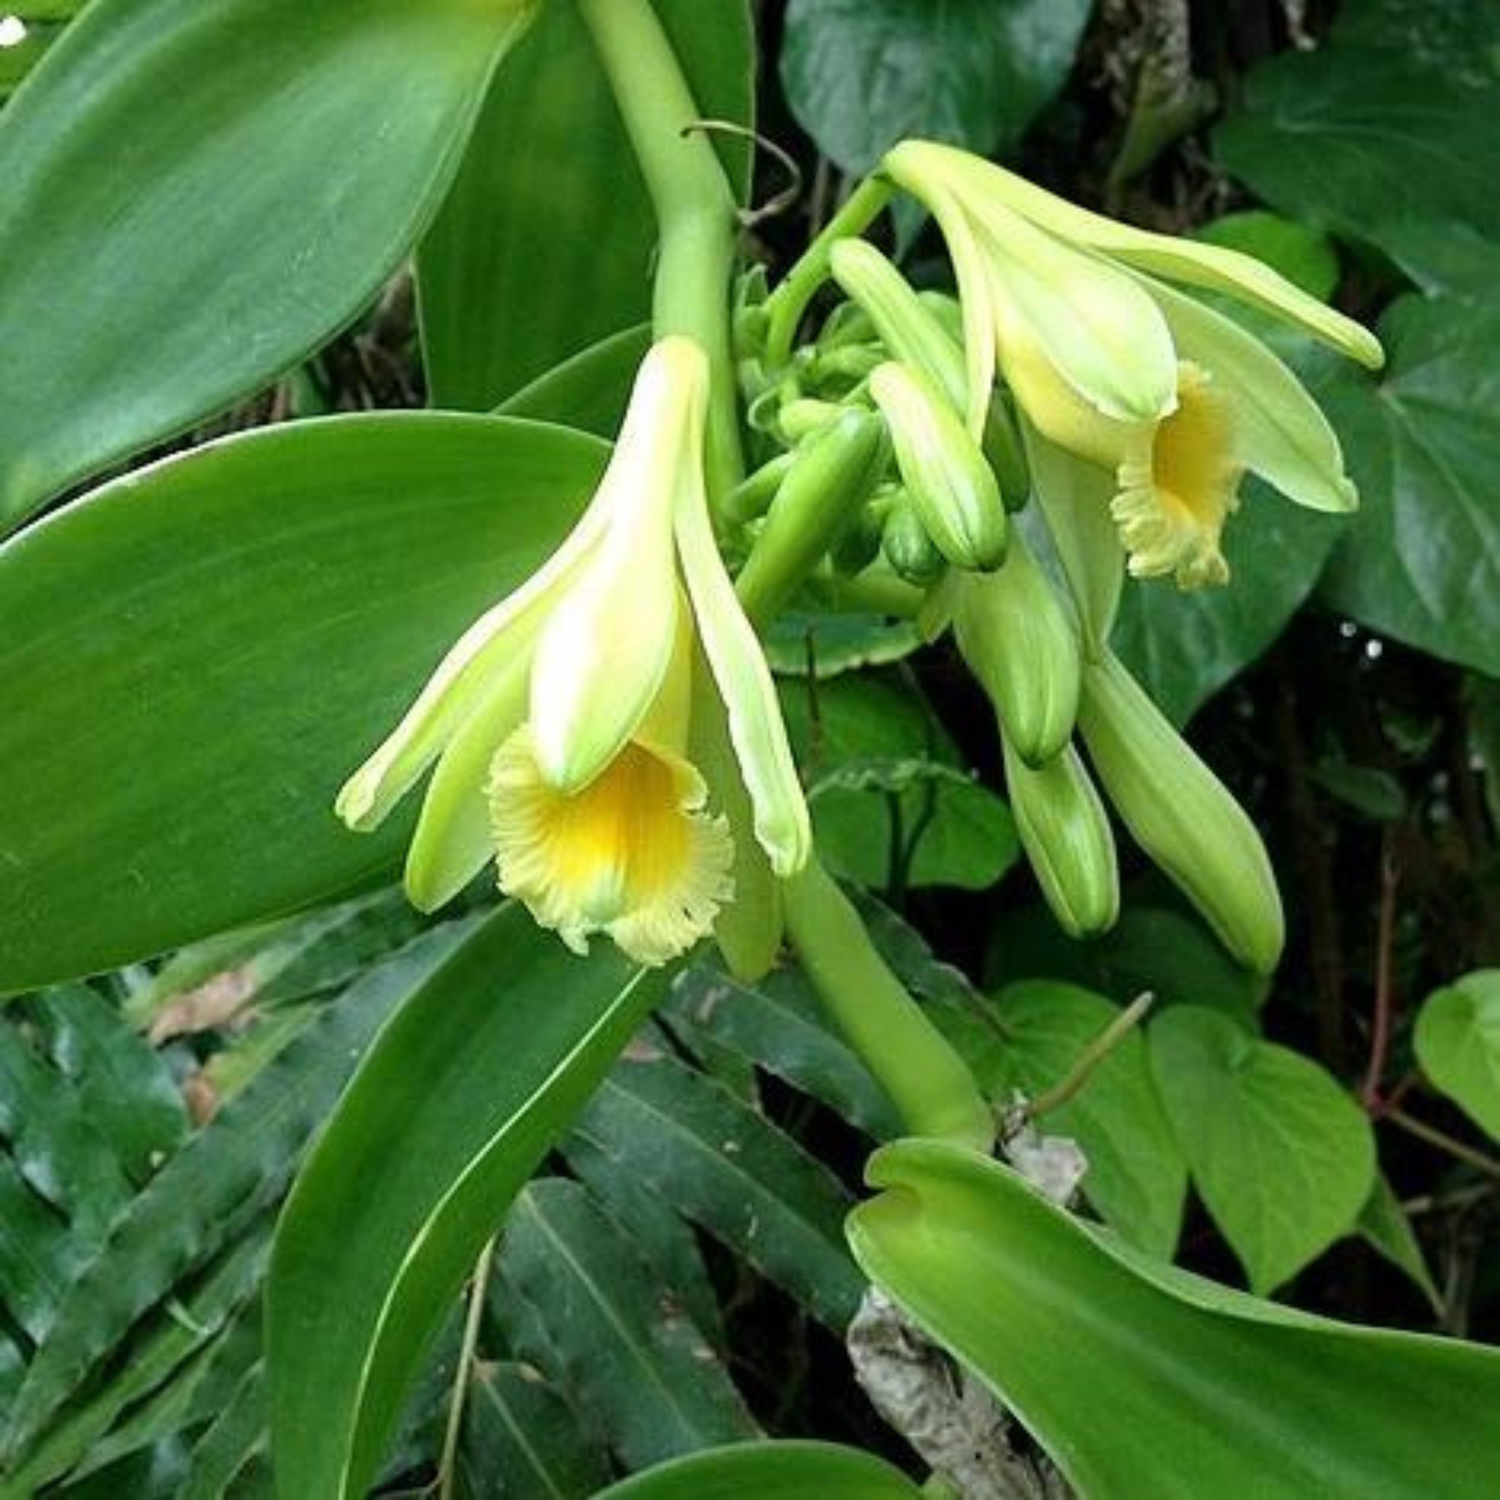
(560, 722)
(926, 1079)
(1109, 363)
(1182, 815)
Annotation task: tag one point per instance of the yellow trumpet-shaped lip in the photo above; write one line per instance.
(634, 854)
(1178, 483)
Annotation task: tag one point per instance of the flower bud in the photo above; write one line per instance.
(829, 479)
(907, 328)
(1182, 815)
(858, 545)
(799, 419)
(751, 498)
(1065, 832)
(906, 545)
(953, 488)
(1019, 642)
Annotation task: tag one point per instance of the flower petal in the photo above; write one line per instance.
(782, 825)
(606, 647)
(1102, 333)
(974, 303)
(1282, 433)
(452, 839)
(1074, 498)
(501, 634)
(1192, 261)
(748, 928)
(634, 854)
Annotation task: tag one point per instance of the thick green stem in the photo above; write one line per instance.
(926, 1079)
(786, 305)
(695, 206)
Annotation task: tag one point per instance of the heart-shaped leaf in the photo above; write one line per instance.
(1282, 1156)
(1458, 1044)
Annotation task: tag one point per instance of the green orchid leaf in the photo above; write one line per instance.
(1282, 1156)
(174, 722)
(465, 1089)
(687, 1138)
(231, 1441)
(18, 58)
(195, 198)
(789, 1470)
(861, 74)
(1423, 445)
(1458, 1045)
(779, 1025)
(589, 390)
(1188, 1389)
(545, 241)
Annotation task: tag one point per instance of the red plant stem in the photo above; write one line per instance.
(1380, 1025)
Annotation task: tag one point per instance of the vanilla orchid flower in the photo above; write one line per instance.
(560, 721)
(1108, 362)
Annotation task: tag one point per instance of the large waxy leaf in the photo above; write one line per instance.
(1458, 1044)
(195, 196)
(632, 1360)
(1188, 1389)
(794, 1470)
(1283, 1158)
(1384, 134)
(861, 74)
(464, 1091)
(589, 390)
(544, 243)
(193, 660)
(1422, 562)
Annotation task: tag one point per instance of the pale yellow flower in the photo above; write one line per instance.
(560, 721)
(1109, 363)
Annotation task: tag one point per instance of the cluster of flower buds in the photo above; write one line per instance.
(609, 737)
(1070, 373)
